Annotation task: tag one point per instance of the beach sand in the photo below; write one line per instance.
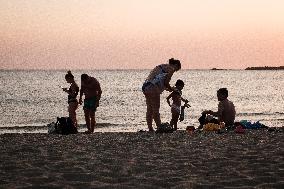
(143, 160)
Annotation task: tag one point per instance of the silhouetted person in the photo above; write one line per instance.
(90, 87)
(226, 111)
(156, 82)
(176, 102)
(72, 97)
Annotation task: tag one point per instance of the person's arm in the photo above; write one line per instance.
(216, 114)
(168, 99)
(219, 112)
(66, 90)
(99, 94)
(98, 91)
(81, 94)
(73, 91)
(168, 79)
(184, 100)
(208, 112)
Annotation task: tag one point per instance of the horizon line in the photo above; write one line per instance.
(121, 69)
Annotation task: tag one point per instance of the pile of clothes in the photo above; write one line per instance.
(165, 128)
(238, 127)
(249, 125)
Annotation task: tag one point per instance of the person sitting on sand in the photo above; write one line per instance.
(176, 105)
(156, 82)
(226, 111)
(72, 97)
(90, 87)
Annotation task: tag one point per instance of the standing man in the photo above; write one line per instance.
(90, 87)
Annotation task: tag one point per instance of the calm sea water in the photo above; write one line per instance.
(32, 99)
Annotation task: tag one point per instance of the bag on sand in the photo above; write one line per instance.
(63, 125)
(165, 128)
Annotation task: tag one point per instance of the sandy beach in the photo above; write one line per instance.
(143, 160)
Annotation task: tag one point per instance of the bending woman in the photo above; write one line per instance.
(157, 81)
(72, 97)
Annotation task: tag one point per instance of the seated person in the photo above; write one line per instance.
(226, 111)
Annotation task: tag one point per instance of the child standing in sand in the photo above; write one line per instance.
(176, 105)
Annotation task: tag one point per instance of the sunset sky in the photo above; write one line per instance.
(139, 34)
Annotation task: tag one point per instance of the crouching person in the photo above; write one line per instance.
(226, 111)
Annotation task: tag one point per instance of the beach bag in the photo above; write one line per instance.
(51, 128)
(164, 128)
(63, 125)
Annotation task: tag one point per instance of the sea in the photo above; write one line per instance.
(31, 99)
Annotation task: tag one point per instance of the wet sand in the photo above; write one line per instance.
(143, 160)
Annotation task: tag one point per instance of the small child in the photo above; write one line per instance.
(175, 106)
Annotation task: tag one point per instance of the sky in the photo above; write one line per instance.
(140, 34)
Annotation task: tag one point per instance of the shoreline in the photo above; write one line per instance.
(143, 160)
(105, 127)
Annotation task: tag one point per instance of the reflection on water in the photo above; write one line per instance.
(34, 98)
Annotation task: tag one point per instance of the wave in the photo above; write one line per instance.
(272, 120)
(44, 127)
(259, 113)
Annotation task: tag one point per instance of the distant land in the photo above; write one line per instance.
(256, 68)
(265, 68)
(217, 69)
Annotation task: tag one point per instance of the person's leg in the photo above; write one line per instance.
(149, 113)
(174, 120)
(87, 118)
(156, 108)
(93, 121)
(202, 121)
(72, 112)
